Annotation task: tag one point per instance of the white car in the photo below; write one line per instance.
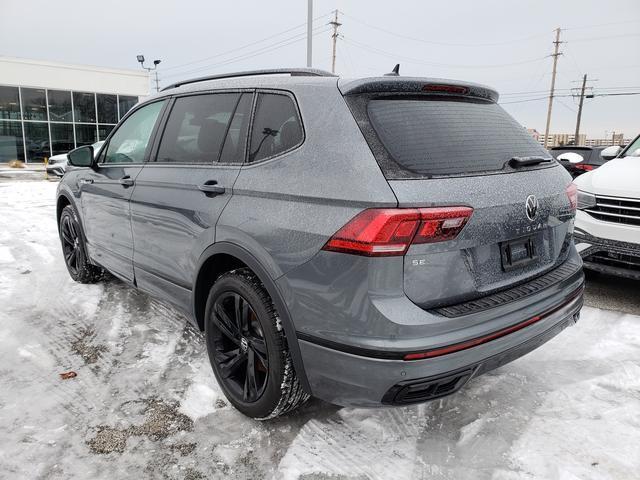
(58, 163)
(607, 228)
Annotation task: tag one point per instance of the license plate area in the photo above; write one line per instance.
(518, 253)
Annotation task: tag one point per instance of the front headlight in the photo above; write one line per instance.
(586, 200)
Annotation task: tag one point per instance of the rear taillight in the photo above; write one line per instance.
(572, 193)
(380, 232)
(583, 167)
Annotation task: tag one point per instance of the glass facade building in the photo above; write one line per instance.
(37, 122)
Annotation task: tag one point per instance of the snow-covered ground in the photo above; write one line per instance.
(145, 404)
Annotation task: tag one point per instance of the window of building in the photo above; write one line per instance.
(129, 143)
(61, 138)
(85, 134)
(236, 139)
(60, 106)
(9, 103)
(37, 141)
(276, 127)
(11, 143)
(126, 103)
(196, 128)
(34, 104)
(84, 107)
(107, 108)
(104, 131)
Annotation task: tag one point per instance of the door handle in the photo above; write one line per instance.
(85, 181)
(211, 188)
(126, 181)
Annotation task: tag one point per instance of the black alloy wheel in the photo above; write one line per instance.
(239, 346)
(70, 244)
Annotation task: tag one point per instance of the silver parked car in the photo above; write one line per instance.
(57, 164)
(377, 241)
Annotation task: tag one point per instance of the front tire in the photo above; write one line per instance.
(248, 349)
(74, 249)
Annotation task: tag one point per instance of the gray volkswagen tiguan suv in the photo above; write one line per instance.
(377, 241)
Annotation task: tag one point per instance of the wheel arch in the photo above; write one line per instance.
(222, 257)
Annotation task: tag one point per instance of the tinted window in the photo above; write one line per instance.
(84, 107)
(60, 106)
(34, 104)
(37, 138)
(11, 144)
(196, 128)
(104, 131)
(9, 103)
(443, 137)
(85, 134)
(129, 142)
(276, 127)
(61, 138)
(126, 104)
(107, 108)
(236, 139)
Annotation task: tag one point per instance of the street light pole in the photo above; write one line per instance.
(149, 69)
(309, 33)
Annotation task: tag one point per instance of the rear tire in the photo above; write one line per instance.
(74, 249)
(248, 349)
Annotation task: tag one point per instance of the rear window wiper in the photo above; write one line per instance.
(517, 162)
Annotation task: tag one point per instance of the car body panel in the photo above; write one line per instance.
(276, 215)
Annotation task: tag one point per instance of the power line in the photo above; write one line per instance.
(246, 45)
(434, 42)
(417, 61)
(253, 53)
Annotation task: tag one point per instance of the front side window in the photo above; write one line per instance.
(129, 143)
(276, 127)
(196, 128)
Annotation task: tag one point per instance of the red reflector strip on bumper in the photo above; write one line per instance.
(437, 352)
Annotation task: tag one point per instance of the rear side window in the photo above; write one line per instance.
(276, 127)
(196, 128)
(449, 137)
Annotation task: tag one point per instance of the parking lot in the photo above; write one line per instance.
(145, 403)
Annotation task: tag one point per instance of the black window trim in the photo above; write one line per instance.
(274, 91)
(151, 160)
(154, 132)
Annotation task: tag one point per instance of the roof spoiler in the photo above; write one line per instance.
(417, 85)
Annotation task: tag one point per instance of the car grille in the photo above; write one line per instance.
(616, 210)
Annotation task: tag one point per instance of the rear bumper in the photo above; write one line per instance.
(352, 379)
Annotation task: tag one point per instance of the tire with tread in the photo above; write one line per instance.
(282, 391)
(81, 269)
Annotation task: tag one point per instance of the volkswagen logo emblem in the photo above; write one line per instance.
(531, 207)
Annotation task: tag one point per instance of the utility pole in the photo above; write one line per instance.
(555, 56)
(309, 33)
(584, 85)
(334, 36)
(157, 82)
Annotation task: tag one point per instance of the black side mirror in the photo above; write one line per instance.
(81, 156)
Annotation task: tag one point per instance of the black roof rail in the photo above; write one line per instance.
(294, 72)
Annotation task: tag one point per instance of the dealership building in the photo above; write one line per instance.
(47, 108)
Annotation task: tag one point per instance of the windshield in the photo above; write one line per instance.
(634, 149)
(449, 136)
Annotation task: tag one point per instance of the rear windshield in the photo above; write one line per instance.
(449, 137)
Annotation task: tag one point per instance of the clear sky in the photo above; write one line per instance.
(505, 44)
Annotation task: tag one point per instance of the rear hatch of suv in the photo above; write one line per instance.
(448, 149)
